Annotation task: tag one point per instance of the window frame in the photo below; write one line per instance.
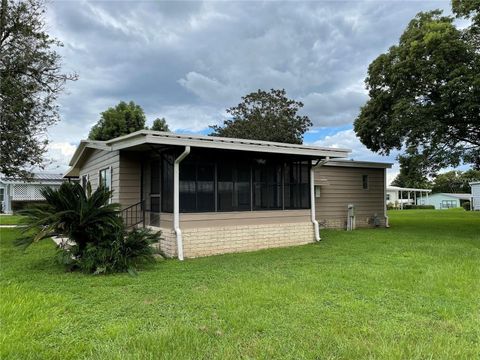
(365, 182)
(108, 170)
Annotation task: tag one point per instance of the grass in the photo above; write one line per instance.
(408, 292)
(10, 219)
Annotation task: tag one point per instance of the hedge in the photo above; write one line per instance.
(418, 207)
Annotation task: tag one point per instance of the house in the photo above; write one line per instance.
(211, 195)
(448, 200)
(397, 196)
(15, 192)
(475, 195)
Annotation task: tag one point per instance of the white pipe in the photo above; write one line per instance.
(176, 201)
(385, 198)
(312, 204)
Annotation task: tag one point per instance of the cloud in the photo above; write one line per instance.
(189, 61)
(58, 156)
(348, 139)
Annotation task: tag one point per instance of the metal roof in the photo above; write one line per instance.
(398, 188)
(457, 196)
(360, 164)
(36, 177)
(166, 138)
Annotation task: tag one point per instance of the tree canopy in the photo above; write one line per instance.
(455, 181)
(268, 116)
(30, 82)
(424, 92)
(122, 119)
(160, 124)
(412, 173)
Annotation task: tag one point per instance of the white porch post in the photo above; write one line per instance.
(7, 199)
(401, 199)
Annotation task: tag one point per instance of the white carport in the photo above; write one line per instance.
(395, 195)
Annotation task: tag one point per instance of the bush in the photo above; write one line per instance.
(466, 205)
(418, 207)
(98, 239)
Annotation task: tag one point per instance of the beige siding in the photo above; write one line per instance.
(97, 160)
(211, 219)
(345, 187)
(130, 179)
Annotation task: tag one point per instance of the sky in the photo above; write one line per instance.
(189, 61)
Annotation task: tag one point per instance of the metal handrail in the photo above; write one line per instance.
(134, 215)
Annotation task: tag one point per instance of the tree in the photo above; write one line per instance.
(455, 181)
(160, 125)
(30, 82)
(424, 94)
(412, 173)
(120, 120)
(269, 116)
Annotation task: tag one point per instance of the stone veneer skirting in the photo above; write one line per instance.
(228, 239)
(341, 223)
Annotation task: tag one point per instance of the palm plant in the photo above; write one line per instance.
(72, 212)
(101, 243)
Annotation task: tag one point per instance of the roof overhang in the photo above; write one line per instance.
(397, 188)
(148, 137)
(358, 164)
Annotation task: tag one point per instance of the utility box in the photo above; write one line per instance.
(350, 217)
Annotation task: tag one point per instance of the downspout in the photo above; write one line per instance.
(385, 198)
(176, 201)
(312, 197)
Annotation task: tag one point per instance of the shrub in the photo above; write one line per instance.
(98, 239)
(418, 207)
(466, 205)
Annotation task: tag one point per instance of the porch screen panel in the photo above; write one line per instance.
(267, 186)
(297, 185)
(233, 186)
(197, 186)
(167, 182)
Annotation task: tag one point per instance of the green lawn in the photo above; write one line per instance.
(10, 219)
(408, 292)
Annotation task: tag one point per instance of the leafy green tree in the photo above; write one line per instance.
(122, 119)
(160, 125)
(412, 173)
(455, 181)
(269, 116)
(30, 82)
(424, 94)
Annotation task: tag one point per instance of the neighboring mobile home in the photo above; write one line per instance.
(447, 200)
(475, 196)
(15, 192)
(212, 195)
(397, 196)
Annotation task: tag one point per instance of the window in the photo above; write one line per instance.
(447, 204)
(84, 181)
(2, 194)
(388, 197)
(105, 178)
(365, 182)
(197, 186)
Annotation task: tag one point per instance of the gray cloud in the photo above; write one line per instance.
(189, 61)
